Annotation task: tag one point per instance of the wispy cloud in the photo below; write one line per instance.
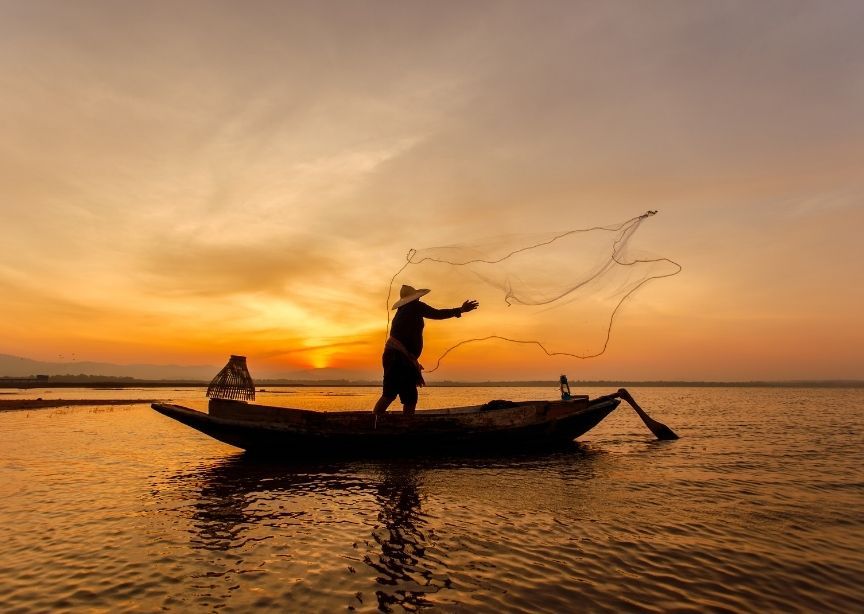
(220, 270)
(336, 345)
(228, 173)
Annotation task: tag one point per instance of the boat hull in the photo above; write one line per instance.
(303, 433)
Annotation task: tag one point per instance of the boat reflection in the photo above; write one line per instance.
(234, 497)
(366, 517)
(237, 501)
(225, 511)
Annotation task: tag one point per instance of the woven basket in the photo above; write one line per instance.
(233, 382)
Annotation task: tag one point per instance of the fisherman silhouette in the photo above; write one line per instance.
(402, 371)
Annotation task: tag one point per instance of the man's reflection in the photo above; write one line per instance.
(402, 535)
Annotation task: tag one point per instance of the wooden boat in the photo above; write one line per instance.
(498, 426)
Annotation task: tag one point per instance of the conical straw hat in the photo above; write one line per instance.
(408, 294)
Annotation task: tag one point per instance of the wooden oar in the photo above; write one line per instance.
(660, 430)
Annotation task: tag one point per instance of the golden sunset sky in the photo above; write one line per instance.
(181, 181)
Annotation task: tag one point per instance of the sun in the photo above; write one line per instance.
(319, 360)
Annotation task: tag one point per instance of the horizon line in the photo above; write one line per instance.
(100, 380)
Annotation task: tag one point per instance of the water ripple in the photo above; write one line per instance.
(126, 511)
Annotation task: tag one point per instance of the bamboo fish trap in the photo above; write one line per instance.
(233, 382)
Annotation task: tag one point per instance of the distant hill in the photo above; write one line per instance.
(16, 366)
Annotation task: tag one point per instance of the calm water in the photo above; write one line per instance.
(759, 506)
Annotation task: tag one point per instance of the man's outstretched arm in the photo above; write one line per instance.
(443, 314)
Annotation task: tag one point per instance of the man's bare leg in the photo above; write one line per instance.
(382, 404)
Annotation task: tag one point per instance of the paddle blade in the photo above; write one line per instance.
(660, 430)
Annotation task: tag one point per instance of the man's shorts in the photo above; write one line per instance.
(400, 377)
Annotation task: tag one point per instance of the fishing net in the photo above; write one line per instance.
(559, 292)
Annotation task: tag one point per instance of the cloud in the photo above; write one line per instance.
(196, 268)
(336, 345)
(262, 169)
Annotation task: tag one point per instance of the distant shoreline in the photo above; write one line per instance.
(22, 404)
(32, 383)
